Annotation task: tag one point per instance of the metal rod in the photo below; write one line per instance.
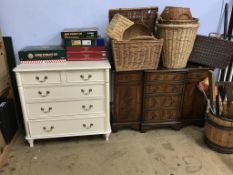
(225, 20)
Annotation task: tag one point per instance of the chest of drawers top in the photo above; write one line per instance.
(69, 65)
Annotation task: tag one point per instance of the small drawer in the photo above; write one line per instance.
(85, 76)
(161, 115)
(41, 78)
(56, 109)
(128, 76)
(163, 88)
(162, 101)
(60, 92)
(64, 127)
(174, 76)
(199, 75)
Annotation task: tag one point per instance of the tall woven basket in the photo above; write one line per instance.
(178, 43)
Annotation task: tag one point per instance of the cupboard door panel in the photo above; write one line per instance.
(128, 99)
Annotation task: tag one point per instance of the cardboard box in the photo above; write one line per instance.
(78, 33)
(42, 53)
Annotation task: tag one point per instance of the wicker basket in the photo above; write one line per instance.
(178, 43)
(146, 15)
(117, 27)
(137, 54)
(212, 51)
(176, 13)
(136, 30)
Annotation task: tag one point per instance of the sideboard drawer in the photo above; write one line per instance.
(85, 76)
(197, 75)
(163, 88)
(162, 101)
(63, 92)
(162, 115)
(127, 77)
(41, 78)
(44, 110)
(152, 76)
(64, 127)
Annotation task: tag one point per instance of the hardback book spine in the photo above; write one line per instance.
(42, 55)
(80, 42)
(79, 35)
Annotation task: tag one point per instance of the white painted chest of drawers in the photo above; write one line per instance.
(64, 99)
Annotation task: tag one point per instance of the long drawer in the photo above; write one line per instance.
(45, 110)
(162, 115)
(64, 127)
(41, 78)
(162, 101)
(163, 88)
(85, 76)
(62, 92)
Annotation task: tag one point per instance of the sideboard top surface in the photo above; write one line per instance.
(69, 65)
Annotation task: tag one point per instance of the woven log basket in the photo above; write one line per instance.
(140, 53)
(178, 43)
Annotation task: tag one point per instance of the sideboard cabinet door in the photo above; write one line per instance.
(127, 100)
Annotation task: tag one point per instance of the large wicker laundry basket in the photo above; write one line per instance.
(140, 53)
(178, 43)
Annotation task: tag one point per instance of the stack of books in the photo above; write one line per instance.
(84, 44)
(42, 54)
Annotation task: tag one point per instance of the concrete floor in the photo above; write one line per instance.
(157, 152)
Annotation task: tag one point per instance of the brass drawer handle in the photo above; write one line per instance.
(87, 78)
(88, 127)
(87, 109)
(86, 93)
(41, 81)
(44, 95)
(48, 130)
(46, 111)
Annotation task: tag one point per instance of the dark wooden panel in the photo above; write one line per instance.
(161, 115)
(162, 101)
(194, 104)
(128, 76)
(127, 98)
(163, 88)
(174, 76)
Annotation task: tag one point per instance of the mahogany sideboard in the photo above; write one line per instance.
(158, 98)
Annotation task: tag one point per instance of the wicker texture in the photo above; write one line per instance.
(219, 131)
(117, 26)
(178, 43)
(176, 13)
(146, 16)
(212, 51)
(136, 30)
(138, 54)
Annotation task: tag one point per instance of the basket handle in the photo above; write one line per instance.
(144, 38)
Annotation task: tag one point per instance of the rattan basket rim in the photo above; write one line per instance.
(135, 40)
(179, 25)
(137, 8)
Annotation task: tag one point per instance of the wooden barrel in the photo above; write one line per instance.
(219, 133)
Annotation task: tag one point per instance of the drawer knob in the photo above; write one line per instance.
(45, 94)
(88, 127)
(85, 78)
(87, 109)
(46, 111)
(48, 129)
(86, 93)
(41, 81)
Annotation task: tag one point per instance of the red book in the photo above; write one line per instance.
(85, 49)
(93, 56)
